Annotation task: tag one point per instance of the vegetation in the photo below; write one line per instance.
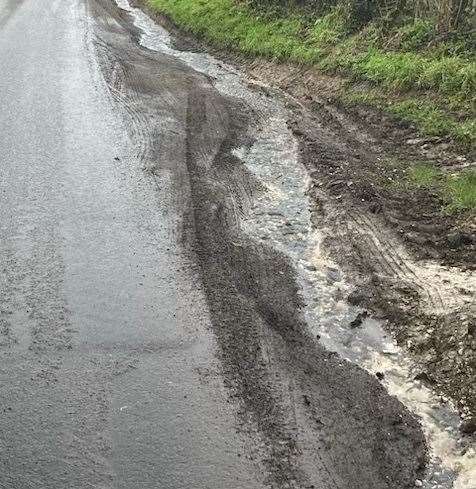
(418, 67)
(458, 192)
(461, 191)
(444, 16)
(424, 175)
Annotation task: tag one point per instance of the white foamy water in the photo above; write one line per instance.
(281, 217)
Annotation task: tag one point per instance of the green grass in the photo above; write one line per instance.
(395, 61)
(425, 113)
(424, 175)
(458, 192)
(238, 27)
(461, 191)
(433, 120)
(405, 71)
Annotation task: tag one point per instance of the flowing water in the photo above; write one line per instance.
(281, 216)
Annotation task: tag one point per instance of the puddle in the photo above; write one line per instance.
(282, 218)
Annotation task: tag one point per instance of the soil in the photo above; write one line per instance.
(412, 264)
(316, 420)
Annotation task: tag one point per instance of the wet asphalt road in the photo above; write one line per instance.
(144, 341)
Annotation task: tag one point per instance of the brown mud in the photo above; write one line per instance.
(412, 263)
(322, 421)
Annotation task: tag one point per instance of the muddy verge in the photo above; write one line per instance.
(316, 420)
(290, 384)
(412, 263)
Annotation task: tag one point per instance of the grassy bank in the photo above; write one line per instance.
(400, 69)
(430, 85)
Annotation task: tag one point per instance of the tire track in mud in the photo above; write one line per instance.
(238, 326)
(428, 305)
(117, 79)
(337, 145)
(390, 260)
(266, 279)
(434, 285)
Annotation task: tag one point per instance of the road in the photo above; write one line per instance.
(146, 341)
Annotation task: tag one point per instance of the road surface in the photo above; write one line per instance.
(145, 340)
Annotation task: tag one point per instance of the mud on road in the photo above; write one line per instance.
(321, 421)
(412, 264)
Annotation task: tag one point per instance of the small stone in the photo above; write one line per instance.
(333, 274)
(355, 298)
(418, 483)
(358, 319)
(454, 240)
(375, 207)
(468, 426)
(414, 142)
(425, 378)
(459, 239)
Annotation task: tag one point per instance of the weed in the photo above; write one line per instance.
(415, 35)
(460, 192)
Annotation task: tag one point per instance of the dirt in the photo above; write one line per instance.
(412, 264)
(321, 421)
(373, 152)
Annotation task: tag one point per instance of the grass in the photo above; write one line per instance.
(461, 192)
(424, 175)
(429, 114)
(394, 62)
(238, 27)
(458, 191)
(404, 71)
